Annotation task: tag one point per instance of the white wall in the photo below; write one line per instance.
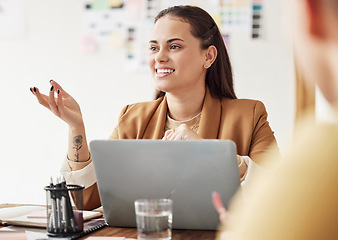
(34, 142)
(264, 69)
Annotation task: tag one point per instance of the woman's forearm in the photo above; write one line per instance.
(78, 150)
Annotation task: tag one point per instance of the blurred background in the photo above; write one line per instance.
(97, 51)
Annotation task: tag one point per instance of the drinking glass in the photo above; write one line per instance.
(154, 218)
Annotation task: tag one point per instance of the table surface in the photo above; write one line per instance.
(132, 232)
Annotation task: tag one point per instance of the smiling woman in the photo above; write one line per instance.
(192, 72)
(201, 27)
(177, 61)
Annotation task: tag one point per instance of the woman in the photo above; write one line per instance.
(196, 99)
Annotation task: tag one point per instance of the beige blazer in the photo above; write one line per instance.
(241, 120)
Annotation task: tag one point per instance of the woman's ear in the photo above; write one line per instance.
(211, 54)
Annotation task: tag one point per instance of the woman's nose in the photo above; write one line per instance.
(161, 56)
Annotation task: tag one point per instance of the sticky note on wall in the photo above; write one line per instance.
(257, 16)
(235, 15)
(104, 4)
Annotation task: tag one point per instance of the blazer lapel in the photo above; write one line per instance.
(155, 128)
(209, 123)
(210, 118)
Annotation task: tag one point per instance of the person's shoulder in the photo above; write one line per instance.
(310, 131)
(146, 104)
(243, 109)
(243, 104)
(142, 107)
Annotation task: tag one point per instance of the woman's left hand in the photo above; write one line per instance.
(183, 132)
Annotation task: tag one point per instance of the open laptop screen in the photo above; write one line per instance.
(186, 171)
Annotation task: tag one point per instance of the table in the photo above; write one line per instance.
(132, 232)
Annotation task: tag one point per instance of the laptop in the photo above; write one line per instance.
(185, 171)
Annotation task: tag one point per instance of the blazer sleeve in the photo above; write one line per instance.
(83, 173)
(91, 197)
(263, 139)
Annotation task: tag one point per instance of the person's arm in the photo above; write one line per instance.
(262, 143)
(83, 173)
(67, 109)
(242, 167)
(263, 139)
(78, 150)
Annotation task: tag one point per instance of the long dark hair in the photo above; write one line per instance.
(219, 78)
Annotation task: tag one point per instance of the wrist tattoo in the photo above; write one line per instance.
(77, 141)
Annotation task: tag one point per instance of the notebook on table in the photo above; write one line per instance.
(186, 171)
(33, 215)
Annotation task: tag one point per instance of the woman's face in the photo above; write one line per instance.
(176, 59)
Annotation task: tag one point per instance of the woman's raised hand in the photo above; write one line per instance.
(63, 106)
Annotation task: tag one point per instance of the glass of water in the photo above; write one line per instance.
(154, 218)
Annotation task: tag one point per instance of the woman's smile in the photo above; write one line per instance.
(163, 72)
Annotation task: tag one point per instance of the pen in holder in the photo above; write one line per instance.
(62, 218)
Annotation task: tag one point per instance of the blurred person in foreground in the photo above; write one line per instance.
(300, 201)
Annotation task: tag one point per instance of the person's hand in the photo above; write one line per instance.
(64, 106)
(242, 167)
(223, 213)
(183, 132)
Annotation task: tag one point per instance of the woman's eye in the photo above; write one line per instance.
(174, 47)
(152, 48)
